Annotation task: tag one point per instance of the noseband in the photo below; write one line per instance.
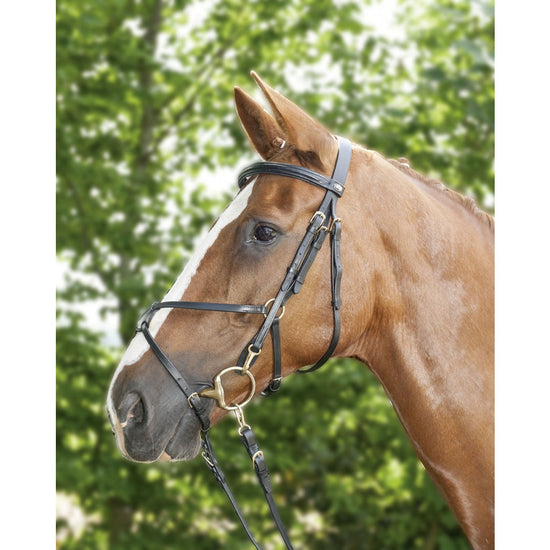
(323, 222)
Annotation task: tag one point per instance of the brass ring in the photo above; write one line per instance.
(269, 302)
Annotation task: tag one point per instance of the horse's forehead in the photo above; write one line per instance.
(280, 195)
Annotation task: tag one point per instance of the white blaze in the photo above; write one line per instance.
(138, 346)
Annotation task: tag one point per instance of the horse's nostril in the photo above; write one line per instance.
(132, 410)
(136, 413)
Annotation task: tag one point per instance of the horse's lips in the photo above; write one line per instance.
(185, 443)
(173, 453)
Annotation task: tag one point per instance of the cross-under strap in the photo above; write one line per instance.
(193, 399)
(203, 306)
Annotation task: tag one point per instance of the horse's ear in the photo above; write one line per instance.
(262, 129)
(305, 133)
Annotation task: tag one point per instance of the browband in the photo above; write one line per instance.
(291, 171)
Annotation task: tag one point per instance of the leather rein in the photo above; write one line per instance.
(322, 223)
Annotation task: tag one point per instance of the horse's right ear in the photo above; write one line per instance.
(263, 131)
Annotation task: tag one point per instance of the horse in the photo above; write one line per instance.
(406, 287)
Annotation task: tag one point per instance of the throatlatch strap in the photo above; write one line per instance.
(336, 278)
(340, 173)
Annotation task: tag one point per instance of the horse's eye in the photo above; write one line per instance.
(264, 234)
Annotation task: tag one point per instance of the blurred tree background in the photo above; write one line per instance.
(148, 147)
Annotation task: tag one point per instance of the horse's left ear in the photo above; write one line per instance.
(305, 133)
(261, 128)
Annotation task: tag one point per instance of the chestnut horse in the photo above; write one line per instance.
(417, 308)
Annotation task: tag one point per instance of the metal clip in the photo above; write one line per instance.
(249, 358)
(207, 460)
(239, 415)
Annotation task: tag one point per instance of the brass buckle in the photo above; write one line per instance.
(256, 455)
(189, 399)
(318, 213)
(323, 219)
(330, 227)
(333, 223)
(217, 392)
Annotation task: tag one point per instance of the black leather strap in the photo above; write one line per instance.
(340, 172)
(277, 376)
(316, 245)
(204, 306)
(259, 339)
(199, 406)
(336, 278)
(214, 467)
(262, 473)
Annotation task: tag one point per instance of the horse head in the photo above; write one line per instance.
(244, 259)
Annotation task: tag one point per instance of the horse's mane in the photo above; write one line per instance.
(466, 202)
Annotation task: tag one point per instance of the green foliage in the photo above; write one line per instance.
(144, 114)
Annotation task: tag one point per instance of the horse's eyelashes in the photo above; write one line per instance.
(264, 234)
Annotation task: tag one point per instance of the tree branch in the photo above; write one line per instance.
(149, 118)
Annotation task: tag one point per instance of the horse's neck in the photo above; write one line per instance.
(430, 336)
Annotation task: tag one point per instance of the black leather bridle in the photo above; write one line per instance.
(322, 223)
